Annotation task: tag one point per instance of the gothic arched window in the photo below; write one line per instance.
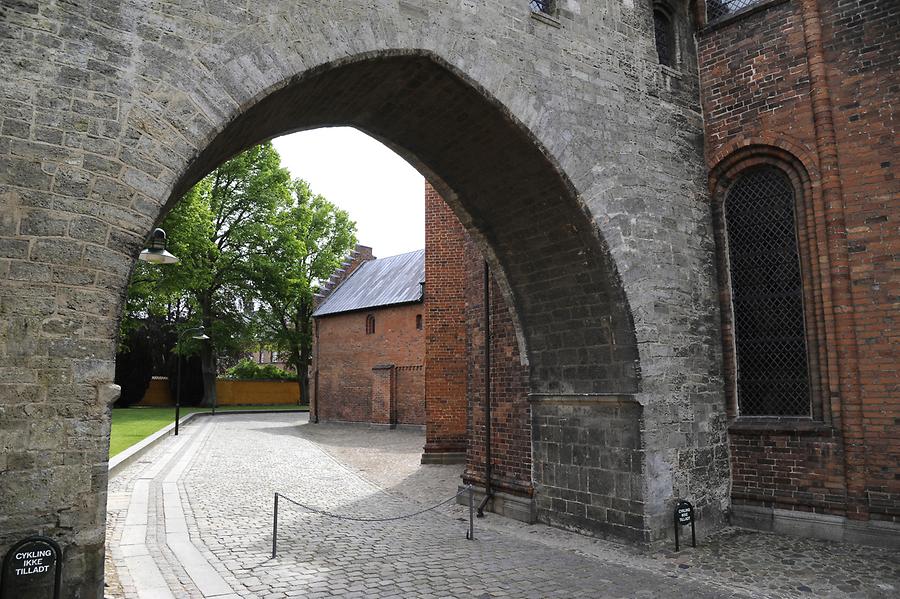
(370, 324)
(770, 352)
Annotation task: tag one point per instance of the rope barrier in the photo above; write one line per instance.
(470, 534)
(358, 519)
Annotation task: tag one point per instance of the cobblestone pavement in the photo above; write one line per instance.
(218, 479)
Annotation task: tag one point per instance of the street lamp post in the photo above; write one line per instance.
(198, 333)
(155, 253)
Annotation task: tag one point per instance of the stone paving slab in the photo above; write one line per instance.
(225, 490)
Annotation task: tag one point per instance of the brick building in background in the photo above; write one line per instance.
(369, 342)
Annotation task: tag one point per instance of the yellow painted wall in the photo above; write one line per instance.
(232, 393)
(250, 393)
(158, 393)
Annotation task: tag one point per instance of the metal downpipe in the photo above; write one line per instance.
(488, 467)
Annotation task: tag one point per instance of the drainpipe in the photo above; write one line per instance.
(488, 467)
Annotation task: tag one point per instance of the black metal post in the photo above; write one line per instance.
(177, 395)
(471, 535)
(677, 526)
(275, 528)
(488, 459)
(181, 335)
(693, 533)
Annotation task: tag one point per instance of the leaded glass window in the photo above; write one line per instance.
(717, 9)
(766, 296)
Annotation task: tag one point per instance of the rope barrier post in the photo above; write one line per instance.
(275, 528)
(471, 535)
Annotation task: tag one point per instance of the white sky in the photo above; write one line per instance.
(380, 190)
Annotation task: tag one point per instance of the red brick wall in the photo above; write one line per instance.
(812, 87)
(510, 413)
(862, 46)
(409, 392)
(381, 406)
(790, 468)
(345, 356)
(445, 348)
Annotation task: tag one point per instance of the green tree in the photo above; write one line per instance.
(253, 245)
(308, 240)
(220, 230)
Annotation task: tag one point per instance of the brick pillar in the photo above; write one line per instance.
(445, 333)
(383, 397)
(842, 301)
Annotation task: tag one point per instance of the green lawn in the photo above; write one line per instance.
(130, 425)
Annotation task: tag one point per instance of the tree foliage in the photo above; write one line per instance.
(309, 239)
(250, 370)
(247, 236)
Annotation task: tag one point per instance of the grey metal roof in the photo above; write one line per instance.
(381, 282)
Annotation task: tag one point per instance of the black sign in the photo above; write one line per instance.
(684, 515)
(32, 570)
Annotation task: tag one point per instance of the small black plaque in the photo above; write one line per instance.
(32, 570)
(684, 515)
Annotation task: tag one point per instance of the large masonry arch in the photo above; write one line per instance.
(566, 153)
(500, 182)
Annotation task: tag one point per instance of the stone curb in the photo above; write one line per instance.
(117, 463)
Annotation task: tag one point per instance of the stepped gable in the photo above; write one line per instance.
(358, 256)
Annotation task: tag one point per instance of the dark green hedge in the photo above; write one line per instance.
(250, 370)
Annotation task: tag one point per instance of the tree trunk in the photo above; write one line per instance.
(208, 362)
(303, 375)
(208, 366)
(305, 350)
(303, 380)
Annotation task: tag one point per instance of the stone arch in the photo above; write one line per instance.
(570, 309)
(107, 109)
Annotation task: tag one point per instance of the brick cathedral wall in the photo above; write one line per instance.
(862, 46)
(346, 355)
(791, 469)
(758, 80)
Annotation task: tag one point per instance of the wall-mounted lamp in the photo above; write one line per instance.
(156, 253)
